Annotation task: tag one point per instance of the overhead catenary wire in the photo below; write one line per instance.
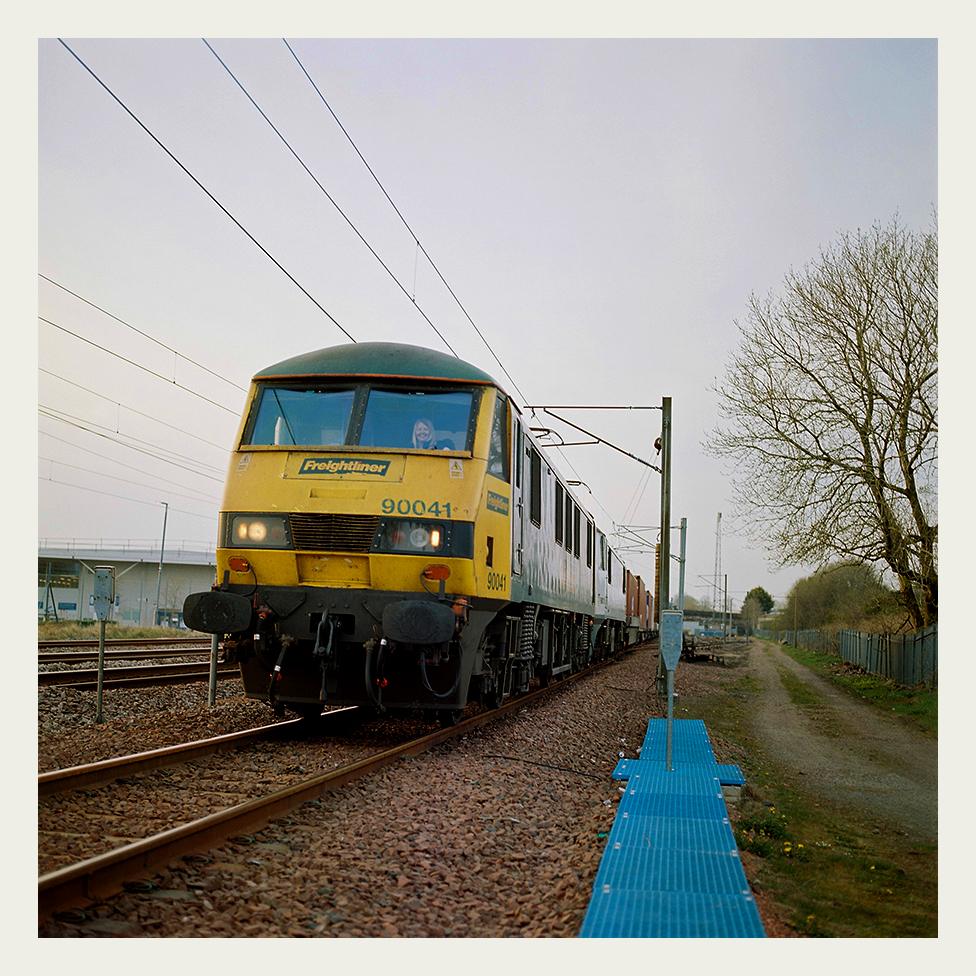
(121, 464)
(127, 498)
(237, 223)
(328, 195)
(426, 254)
(145, 369)
(139, 413)
(144, 334)
(278, 264)
(128, 481)
(114, 440)
(403, 219)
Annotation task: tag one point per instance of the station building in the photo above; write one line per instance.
(65, 573)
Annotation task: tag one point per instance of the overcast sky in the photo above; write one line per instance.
(602, 208)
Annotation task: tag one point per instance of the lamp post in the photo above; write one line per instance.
(159, 574)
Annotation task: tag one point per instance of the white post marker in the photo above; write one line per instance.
(103, 598)
(212, 695)
(671, 626)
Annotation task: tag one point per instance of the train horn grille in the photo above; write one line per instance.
(334, 533)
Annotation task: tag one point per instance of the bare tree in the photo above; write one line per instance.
(830, 415)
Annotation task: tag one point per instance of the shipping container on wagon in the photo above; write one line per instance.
(642, 606)
(633, 604)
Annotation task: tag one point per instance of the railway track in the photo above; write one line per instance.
(146, 654)
(196, 639)
(104, 874)
(144, 676)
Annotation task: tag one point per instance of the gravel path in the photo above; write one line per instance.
(862, 758)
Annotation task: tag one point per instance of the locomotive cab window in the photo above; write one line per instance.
(291, 416)
(498, 447)
(434, 420)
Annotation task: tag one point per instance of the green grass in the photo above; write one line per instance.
(919, 705)
(829, 872)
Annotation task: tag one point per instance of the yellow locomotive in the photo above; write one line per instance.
(392, 536)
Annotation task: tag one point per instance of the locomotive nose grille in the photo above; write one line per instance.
(334, 533)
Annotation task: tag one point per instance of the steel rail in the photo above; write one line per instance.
(106, 771)
(148, 654)
(127, 642)
(103, 875)
(154, 673)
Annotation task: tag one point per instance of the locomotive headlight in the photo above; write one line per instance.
(259, 531)
(412, 536)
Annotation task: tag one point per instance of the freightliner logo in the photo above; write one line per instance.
(329, 465)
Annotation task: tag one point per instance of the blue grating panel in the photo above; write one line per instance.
(671, 833)
(696, 779)
(675, 805)
(728, 774)
(671, 914)
(633, 869)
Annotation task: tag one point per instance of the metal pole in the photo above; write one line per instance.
(681, 570)
(670, 720)
(159, 575)
(725, 610)
(47, 590)
(665, 561)
(101, 671)
(796, 605)
(212, 696)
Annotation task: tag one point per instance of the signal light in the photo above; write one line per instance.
(436, 572)
(239, 564)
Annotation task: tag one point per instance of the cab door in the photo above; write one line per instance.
(518, 509)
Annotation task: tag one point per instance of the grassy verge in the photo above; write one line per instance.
(919, 705)
(88, 630)
(827, 872)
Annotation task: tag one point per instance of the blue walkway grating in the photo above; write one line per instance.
(671, 868)
(671, 915)
(672, 833)
(666, 870)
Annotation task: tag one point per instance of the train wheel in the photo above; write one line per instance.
(309, 713)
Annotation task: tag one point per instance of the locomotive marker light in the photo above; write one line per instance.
(672, 622)
(104, 597)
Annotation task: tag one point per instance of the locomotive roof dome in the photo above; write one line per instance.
(394, 360)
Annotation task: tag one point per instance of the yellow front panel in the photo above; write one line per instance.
(333, 569)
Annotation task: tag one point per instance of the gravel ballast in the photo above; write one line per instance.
(497, 834)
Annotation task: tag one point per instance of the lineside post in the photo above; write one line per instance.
(663, 595)
(212, 694)
(103, 598)
(672, 622)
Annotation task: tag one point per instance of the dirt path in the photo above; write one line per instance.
(846, 751)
